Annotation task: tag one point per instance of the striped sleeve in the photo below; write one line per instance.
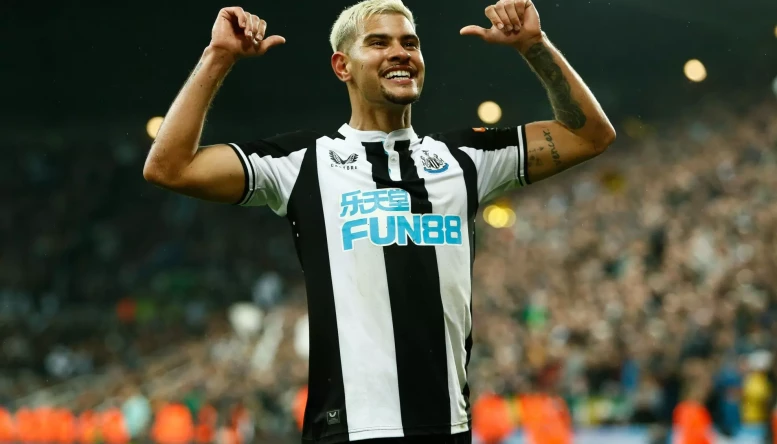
(271, 167)
(499, 156)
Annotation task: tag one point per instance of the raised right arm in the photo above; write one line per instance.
(176, 161)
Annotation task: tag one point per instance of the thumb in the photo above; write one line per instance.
(273, 40)
(473, 30)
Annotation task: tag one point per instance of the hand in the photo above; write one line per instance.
(513, 22)
(241, 34)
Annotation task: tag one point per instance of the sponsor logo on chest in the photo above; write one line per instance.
(349, 163)
(383, 217)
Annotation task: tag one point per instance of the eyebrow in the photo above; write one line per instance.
(388, 37)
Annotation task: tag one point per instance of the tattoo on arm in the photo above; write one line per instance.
(566, 109)
(552, 145)
(534, 159)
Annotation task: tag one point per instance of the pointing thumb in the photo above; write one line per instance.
(273, 40)
(473, 30)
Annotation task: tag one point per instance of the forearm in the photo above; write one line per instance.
(574, 106)
(178, 138)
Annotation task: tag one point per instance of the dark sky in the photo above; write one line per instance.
(73, 62)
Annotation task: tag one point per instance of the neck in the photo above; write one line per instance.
(367, 117)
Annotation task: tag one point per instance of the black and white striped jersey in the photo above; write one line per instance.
(384, 228)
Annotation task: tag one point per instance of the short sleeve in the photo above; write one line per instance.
(271, 167)
(499, 155)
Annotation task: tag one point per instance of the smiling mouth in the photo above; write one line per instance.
(400, 75)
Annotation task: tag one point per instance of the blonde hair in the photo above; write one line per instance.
(351, 21)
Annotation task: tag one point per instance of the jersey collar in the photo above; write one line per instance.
(378, 136)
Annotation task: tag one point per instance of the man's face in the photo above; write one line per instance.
(386, 61)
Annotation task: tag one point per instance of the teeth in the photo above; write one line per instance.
(393, 74)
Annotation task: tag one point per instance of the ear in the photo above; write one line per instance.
(340, 65)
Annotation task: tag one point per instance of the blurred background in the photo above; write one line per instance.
(628, 298)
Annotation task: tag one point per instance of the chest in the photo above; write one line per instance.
(425, 176)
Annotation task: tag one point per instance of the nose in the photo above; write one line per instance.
(398, 53)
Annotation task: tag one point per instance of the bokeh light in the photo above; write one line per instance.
(489, 112)
(153, 125)
(499, 216)
(634, 127)
(695, 70)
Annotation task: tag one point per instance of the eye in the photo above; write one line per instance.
(378, 43)
(411, 44)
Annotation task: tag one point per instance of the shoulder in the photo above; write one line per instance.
(282, 145)
(479, 138)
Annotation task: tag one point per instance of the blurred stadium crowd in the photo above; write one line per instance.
(626, 286)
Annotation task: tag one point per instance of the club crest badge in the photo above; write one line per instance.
(433, 163)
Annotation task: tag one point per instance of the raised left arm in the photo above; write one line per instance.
(580, 130)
